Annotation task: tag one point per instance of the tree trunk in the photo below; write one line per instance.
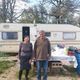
(4, 11)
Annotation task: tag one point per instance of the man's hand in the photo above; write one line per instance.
(48, 55)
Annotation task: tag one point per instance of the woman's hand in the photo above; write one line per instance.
(30, 61)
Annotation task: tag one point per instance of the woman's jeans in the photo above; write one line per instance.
(42, 64)
(77, 55)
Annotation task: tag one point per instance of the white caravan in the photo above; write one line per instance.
(11, 34)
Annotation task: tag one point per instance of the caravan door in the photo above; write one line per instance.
(25, 31)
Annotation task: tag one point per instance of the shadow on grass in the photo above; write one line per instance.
(32, 73)
(4, 54)
(65, 71)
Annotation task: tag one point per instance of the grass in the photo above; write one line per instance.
(4, 65)
(72, 72)
(3, 54)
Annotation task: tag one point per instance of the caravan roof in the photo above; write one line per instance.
(58, 27)
(47, 27)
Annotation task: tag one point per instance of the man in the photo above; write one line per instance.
(42, 51)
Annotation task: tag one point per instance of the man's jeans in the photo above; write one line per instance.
(42, 64)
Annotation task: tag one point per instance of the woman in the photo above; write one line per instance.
(25, 55)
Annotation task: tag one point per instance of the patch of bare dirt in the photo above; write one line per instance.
(9, 74)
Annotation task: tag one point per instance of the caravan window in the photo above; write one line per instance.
(69, 35)
(9, 35)
(47, 34)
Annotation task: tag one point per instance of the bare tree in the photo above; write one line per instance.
(50, 11)
(36, 12)
(10, 9)
(4, 10)
(42, 12)
(62, 8)
(8, 12)
(27, 16)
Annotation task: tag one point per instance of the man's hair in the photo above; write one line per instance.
(41, 31)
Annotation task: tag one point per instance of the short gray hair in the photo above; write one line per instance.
(41, 31)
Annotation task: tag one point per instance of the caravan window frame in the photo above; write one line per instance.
(9, 35)
(48, 34)
(67, 37)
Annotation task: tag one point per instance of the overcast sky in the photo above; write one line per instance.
(21, 5)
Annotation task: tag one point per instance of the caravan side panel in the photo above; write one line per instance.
(78, 36)
(56, 36)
